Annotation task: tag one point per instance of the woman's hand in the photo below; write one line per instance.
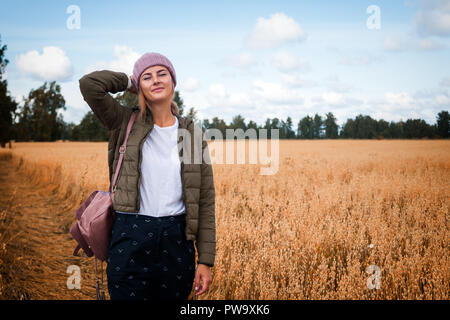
(202, 273)
(132, 88)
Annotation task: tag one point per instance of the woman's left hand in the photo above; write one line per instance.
(202, 273)
(133, 87)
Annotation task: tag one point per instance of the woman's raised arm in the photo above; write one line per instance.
(95, 88)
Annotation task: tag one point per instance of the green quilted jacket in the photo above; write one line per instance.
(197, 178)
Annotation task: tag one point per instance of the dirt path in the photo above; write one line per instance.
(35, 245)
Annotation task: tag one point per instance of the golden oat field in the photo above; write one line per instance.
(340, 219)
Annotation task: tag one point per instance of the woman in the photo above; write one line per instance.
(162, 204)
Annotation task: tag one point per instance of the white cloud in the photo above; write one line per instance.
(190, 84)
(404, 105)
(402, 100)
(219, 96)
(429, 44)
(76, 106)
(442, 99)
(222, 102)
(241, 61)
(286, 62)
(274, 32)
(332, 98)
(124, 59)
(239, 99)
(394, 43)
(359, 60)
(400, 43)
(445, 82)
(336, 99)
(390, 106)
(52, 64)
(275, 93)
(293, 81)
(433, 18)
(217, 90)
(263, 100)
(333, 83)
(73, 97)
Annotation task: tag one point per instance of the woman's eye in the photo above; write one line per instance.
(148, 78)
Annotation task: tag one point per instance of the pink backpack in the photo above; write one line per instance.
(95, 218)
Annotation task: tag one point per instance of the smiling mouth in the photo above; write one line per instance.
(157, 89)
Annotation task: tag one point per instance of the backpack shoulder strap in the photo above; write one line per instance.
(122, 149)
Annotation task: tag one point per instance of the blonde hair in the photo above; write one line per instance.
(144, 103)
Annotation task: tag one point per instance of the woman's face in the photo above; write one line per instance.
(156, 83)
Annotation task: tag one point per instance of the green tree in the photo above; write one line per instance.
(273, 124)
(305, 129)
(331, 128)
(193, 114)
(68, 131)
(38, 119)
(317, 126)
(396, 129)
(206, 124)
(288, 132)
(362, 127)
(127, 98)
(238, 122)
(276, 124)
(366, 127)
(220, 125)
(443, 124)
(91, 129)
(382, 129)
(417, 128)
(8, 105)
(179, 102)
(253, 125)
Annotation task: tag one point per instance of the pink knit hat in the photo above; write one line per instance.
(150, 59)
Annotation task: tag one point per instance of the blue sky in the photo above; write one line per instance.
(260, 59)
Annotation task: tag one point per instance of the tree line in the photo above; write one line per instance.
(38, 120)
(361, 127)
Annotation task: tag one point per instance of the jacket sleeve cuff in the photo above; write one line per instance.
(206, 258)
(205, 263)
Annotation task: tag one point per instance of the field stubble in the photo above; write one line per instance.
(311, 230)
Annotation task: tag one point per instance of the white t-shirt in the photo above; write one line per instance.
(160, 189)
